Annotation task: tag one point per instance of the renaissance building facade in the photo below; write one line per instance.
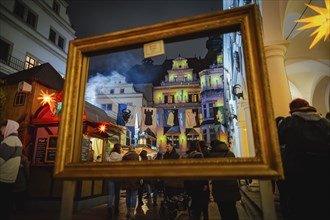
(178, 105)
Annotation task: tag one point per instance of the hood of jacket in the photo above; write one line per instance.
(11, 128)
(114, 156)
(308, 116)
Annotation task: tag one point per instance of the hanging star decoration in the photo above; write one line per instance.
(47, 98)
(321, 21)
(102, 128)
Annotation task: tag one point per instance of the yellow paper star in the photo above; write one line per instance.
(46, 98)
(321, 21)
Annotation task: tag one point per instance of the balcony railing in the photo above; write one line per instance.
(13, 62)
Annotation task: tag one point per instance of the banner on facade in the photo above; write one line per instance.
(121, 109)
(148, 119)
(219, 115)
(171, 117)
(192, 118)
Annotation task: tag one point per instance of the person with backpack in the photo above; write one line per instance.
(305, 136)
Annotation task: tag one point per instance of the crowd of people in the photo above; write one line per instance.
(225, 192)
(304, 139)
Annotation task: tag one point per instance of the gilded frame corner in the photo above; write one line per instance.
(266, 164)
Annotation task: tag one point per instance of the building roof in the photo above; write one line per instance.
(45, 74)
(95, 114)
(150, 133)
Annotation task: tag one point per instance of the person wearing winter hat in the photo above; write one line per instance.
(306, 162)
(301, 105)
(10, 158)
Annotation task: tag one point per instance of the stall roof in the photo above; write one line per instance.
(175, 130)
(44, 74)
(96, 114)
(191, 131)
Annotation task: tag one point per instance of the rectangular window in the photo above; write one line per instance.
(112, 91)
(106, 107)
(56, 7)
(26, 14)
(189, 97)
(31, 19)
(52, 35)
(194, 98)
(19, 99)
(56, 38)
(213, 135)
(60, 42)
(31, 61)
(211, 110)
(171, 99)
(165, 99)
(5, 50)
(204, 111)
(122, 91)
(19, 9)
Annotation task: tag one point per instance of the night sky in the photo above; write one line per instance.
(90, 18)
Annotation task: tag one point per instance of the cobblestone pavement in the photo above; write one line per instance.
(145, 212)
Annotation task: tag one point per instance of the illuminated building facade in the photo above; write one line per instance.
(178, 104)
(213, 108)
(117, 95)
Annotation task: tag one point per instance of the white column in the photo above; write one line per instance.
(278, 81)
(249, 131)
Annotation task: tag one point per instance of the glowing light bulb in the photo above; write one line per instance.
(47, 98)
(102, 128)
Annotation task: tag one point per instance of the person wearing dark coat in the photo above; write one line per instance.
(157, 184)
(305, 136)
(170, 153)
(145, 183)
(198, 190)
(132, 185)
(225, 192)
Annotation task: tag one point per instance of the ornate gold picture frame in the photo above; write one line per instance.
(266, 163)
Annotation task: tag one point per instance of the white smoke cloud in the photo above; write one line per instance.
(94, 86)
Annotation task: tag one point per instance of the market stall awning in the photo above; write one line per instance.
(191, 131)
(175, 130)
(95, 114)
